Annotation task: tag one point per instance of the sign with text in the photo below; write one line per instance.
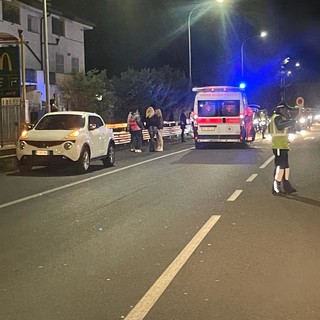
(9, 72)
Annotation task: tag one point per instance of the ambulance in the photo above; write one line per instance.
(221, 114)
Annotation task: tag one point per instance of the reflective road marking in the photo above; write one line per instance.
(11, 203)
(266, 163)
(155, 292)
(235, 195)
(252, 177)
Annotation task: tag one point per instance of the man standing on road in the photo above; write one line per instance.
(281, 121)
(183, 123)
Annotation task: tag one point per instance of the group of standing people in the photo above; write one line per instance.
(154, 125)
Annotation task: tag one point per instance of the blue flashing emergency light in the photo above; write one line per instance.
(242, 85)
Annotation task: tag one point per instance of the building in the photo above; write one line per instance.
(66, 49)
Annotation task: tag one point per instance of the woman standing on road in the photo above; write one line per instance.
(160, 129)
(135, 126)
(151, 125)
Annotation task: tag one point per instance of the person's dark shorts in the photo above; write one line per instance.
(281, 158)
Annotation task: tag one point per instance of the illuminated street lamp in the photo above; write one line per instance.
(261, 35)
(284, 75)
(189, 42)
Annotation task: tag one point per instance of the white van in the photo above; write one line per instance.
(221, 115)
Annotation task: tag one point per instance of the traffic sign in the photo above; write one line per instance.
(300, 102)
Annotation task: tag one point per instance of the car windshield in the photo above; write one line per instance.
(61, 122)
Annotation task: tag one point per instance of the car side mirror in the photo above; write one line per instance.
(30, 126)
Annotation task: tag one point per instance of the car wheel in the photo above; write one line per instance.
(110, 159)
(24, 168)
(84, 160)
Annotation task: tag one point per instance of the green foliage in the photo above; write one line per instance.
(164, 87)
(89, 92)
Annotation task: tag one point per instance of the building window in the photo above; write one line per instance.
(31, 76)
(33, 24)
(52, 78)
(57, 27)
(75, 65)
(59, 63)
(10, 13)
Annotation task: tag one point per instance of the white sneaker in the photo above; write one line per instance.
(138, 150)
(132, 150)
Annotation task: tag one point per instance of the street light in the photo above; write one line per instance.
(284, 74)
(189, 42)
(261, 35)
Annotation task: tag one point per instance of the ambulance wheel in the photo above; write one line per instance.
(198, 145)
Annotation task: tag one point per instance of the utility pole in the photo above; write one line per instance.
(46, 55)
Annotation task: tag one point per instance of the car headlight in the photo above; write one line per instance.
(24, 134)
(302, 120)
(68, 145)
(74, 134)
(22, 144)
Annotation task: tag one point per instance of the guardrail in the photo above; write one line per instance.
(121, 136)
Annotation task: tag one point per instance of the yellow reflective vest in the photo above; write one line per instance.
(280, 139)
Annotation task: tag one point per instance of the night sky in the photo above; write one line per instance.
(153, 33)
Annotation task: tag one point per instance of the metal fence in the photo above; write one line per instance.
(9, 124)
(171, 129)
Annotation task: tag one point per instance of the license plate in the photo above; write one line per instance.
(42, 152)
(208, 128)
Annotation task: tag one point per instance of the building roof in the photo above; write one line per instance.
(38, 5)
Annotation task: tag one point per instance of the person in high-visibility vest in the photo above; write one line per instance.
(280, 122)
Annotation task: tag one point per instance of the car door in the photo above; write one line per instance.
(97, 135)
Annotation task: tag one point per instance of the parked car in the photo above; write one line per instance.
(73, 137)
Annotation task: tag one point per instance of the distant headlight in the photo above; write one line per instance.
(302, 120)
(291, 136)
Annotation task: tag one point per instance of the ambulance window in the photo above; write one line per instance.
(230, 108)
(208, 108)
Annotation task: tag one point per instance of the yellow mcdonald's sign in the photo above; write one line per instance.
(5, 55)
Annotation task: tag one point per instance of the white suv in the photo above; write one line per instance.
(69, 136)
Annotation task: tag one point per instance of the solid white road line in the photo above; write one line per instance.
(266, 163)
(157, 289)
(252, 177)
(235, 195)
(89, 179)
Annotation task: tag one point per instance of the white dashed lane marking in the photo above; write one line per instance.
(252, 177)
(235, 195)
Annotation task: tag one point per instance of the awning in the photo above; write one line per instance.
(7, 37)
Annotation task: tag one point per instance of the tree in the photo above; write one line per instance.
(165, 87)
(91, 91)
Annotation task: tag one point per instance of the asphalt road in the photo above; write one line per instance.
(181, 234)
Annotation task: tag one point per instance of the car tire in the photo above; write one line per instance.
(109, 160)
(24, 168)
(83, 163)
